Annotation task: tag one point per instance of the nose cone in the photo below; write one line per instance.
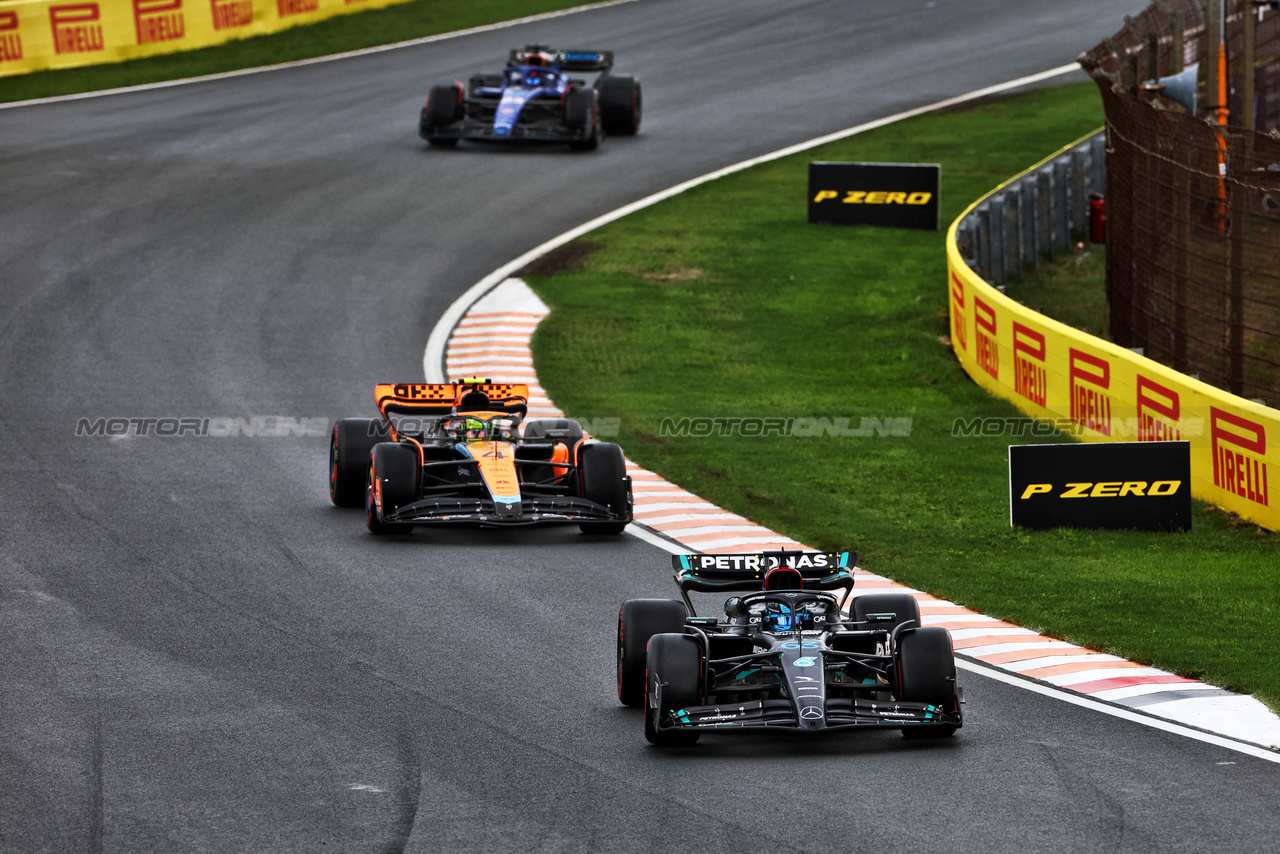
(804, 671)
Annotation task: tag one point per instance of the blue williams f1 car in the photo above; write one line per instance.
(536, 98)
(784, 656)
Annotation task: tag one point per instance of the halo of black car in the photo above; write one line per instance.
(537, 97)
(783, 657)
(463, 453)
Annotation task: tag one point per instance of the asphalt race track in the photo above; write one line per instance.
(198, 653)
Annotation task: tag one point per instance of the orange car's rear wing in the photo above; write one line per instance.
(443, 398)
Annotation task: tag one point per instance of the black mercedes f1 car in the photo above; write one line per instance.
(783, 656)
(462, 453)
(538, 98)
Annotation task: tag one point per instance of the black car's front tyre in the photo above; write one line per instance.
(674, 665)
(638, 621)
(582, 113)
(620, 105)
(926, 665)
(350, 442)
(603, 471)
(392, 483)
(444, 107)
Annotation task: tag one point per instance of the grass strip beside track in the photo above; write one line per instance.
(339, 34)
(724, 303)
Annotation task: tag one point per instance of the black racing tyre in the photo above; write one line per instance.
(639, 620)
(902, 604)
(620, 105)
(582, 112)
(926, 667)
(604, 480)
(675, 662)
(444, 107)
(350, 442)
(393, 471)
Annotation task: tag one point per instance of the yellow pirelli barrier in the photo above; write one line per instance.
(36, 35)
(1100, 392)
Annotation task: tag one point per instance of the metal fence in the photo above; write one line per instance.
(1034, 216)
(1193, 206)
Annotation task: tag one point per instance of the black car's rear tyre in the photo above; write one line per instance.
(675, 661)
(604, 481)
(639, 620)
(904, 605)
(620, 105)
(393, 478)
(350, 442)
(582, 112)
(927, 674)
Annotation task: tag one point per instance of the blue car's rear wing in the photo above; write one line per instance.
(745, 572)
(567, 60)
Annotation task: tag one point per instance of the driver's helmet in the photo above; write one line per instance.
(465, 429)
(778, 617)
(468, 429)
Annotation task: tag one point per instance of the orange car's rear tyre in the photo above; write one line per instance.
(604, 481)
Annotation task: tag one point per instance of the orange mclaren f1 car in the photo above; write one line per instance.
(462, 453)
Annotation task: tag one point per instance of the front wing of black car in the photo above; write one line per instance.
(774, 715)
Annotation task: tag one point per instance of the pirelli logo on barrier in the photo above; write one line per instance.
(1159, 412)
(1120, 485)
(1030, 376)
(10, 37)
(232, 14)
(984, 336)
(893, 195)
(958, 319)
(287, 8)
(158, 21)
(76, 28)
(1239, 456)
(1090, 391)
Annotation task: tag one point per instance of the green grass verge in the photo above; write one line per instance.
(338, 34)
(724, 302)
(1072, 290)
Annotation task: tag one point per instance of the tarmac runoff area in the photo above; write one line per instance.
(491, 339)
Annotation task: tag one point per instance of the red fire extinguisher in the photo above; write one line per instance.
(1097, 218)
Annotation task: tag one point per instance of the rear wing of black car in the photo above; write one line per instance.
(746, 572)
